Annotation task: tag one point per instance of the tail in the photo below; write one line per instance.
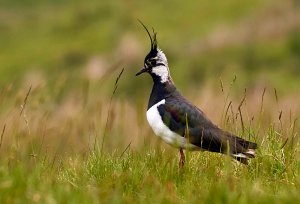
(242, 150)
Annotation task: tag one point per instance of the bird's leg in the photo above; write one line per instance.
(182, 158)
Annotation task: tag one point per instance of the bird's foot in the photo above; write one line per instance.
(182, 158)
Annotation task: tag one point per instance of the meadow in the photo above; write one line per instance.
(73, 129)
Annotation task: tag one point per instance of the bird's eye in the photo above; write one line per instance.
(152, 62)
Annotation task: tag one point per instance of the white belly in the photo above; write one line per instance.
(161, 130)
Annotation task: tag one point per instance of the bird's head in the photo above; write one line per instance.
(155, 62)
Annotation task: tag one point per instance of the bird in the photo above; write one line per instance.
(178, 122)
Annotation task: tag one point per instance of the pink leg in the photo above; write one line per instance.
(182, 158)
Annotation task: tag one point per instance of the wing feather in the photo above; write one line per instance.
(190, 122)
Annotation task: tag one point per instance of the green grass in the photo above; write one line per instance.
(152, 175)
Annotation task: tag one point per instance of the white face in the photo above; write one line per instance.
(162, 72)
(161, 69)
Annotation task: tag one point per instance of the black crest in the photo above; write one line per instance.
(152, 38)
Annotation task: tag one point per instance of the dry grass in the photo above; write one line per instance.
(73, 124)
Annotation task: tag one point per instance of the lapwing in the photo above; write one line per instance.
(178, 122)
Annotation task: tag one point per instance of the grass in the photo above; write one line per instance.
(152, 175)
(56, 156)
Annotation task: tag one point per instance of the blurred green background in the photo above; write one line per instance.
(46, 41)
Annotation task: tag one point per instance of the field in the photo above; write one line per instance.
(71, 131)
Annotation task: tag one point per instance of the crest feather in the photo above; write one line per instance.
(152, 38)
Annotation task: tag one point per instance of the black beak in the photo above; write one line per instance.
(142, 71)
